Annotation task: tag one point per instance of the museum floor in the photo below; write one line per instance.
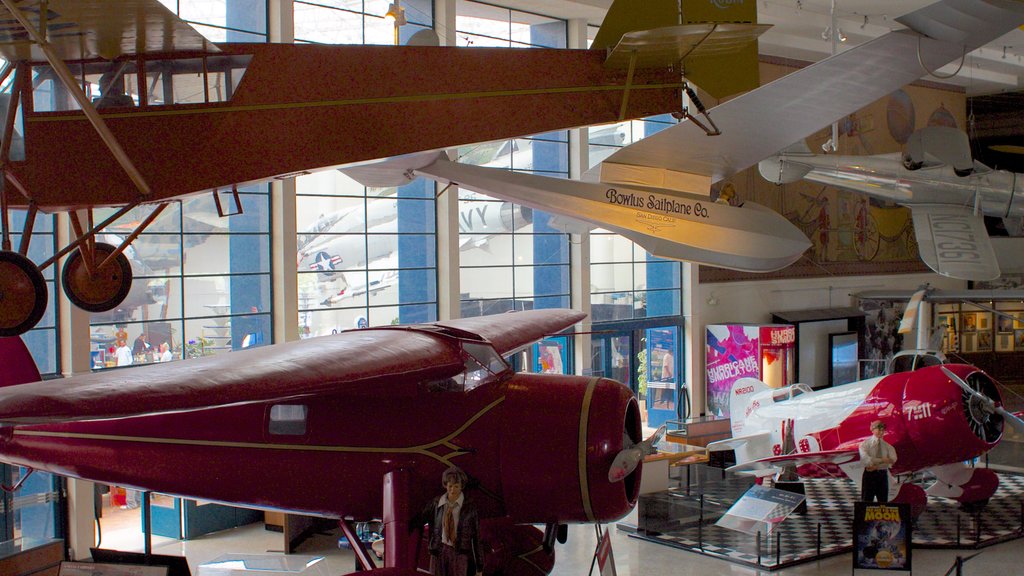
(633, 557)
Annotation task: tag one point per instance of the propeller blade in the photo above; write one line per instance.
(967, 387)
(629, 457)
(1011, 418)
(909, 320)
(625, 462)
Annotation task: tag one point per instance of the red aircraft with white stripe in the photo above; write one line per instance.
(936, 417)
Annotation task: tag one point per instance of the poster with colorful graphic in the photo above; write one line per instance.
(881, 536)
(731, 353)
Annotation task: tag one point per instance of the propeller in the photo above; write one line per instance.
(627, 460)
(987, 404)
(909, 320)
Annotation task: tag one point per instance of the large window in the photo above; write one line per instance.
(224, 20)
(358, 21)
(202, 282)
(480, 24)
(41, 340)
(511, 257)
(366, 256)
(627, 282)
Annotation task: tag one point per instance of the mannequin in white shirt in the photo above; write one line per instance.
(877, 456)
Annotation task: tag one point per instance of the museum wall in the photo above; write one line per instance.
(851, 234)
(755, 301)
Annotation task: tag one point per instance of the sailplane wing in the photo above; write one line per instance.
(761, 122)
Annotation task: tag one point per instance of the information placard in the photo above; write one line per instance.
(760, 509)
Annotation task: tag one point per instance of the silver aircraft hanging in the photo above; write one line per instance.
(948, 193)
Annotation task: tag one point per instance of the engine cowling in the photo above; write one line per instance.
(566, 458)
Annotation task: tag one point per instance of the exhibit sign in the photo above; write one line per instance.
(760, 510)
(605, 558)
(94, 569)
(881, 536)
(730, 354)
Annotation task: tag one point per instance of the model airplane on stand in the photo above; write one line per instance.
(948, 193)
(135, 107)
(937, 417)
(657, 191)
(355, 426)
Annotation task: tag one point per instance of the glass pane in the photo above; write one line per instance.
(200, 214)
(227, 253)
(327, 26)
(486, 282)
(611, 277)
(610, 248)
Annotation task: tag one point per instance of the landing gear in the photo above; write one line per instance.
(97, 288)
(23, 294)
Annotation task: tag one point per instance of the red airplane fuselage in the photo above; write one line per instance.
(515, 437)
(307, 107)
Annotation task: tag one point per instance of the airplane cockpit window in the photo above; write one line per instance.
(167, 81)
(482, 365)
(790, 392)
(910, 360)
(194, 80)
(288, 419)
(17, 151)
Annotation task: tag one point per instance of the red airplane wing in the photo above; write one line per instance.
(356, 361)
(844, 456)
(80, 29)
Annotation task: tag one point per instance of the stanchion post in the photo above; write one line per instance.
(758, 547)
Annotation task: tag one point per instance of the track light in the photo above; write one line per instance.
(396, 14)
(827, 34)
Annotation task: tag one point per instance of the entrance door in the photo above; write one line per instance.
(612, 356)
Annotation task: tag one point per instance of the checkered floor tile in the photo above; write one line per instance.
(674, 518)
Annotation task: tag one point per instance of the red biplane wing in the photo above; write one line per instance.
(355, 361)
(79, 29)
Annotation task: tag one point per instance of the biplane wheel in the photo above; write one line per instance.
(23, 294)
(105, 288)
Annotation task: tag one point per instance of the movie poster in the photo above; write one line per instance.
(730, 354)
(881, 536)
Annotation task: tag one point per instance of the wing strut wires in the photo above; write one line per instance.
(692, 97)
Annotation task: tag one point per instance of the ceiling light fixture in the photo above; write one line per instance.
(396, 14)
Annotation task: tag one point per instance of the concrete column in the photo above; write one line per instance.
(693, 337)
(281, 21)
(283, 274)
(579, 161)
(75, 358)
(444, 22)
(448, 282)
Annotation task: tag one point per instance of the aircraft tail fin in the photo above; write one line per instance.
(708, 37)
(19, 366)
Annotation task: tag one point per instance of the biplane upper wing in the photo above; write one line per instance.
(759, 123)
(356, 361)
(79, 29)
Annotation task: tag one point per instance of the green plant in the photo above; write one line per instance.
(641, 372)
(197, 347)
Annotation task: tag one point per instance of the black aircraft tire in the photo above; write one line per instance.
(23, 294)
(101, 291)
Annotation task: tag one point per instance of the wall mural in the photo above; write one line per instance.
(851, 234)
